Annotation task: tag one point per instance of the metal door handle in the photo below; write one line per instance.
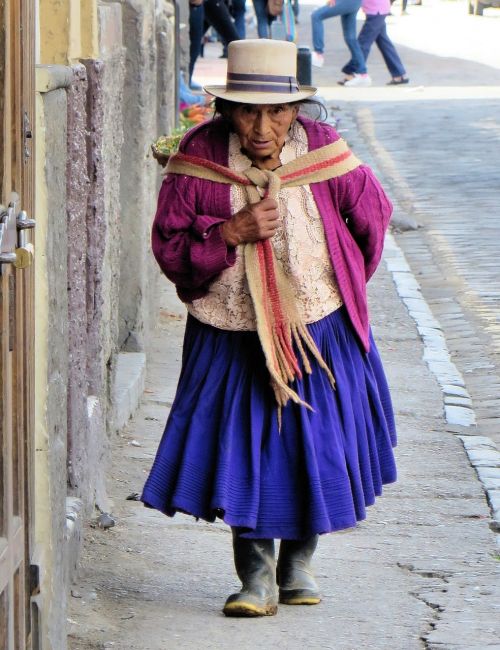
(8, 258)
(22, 256)
(22, 221)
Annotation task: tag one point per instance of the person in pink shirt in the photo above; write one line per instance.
(374, 30)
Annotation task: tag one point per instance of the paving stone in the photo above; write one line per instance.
(494, 499)
(445, 371)
(487, 472)
(409, 293)
(453, 400)
(439, 355)
(424, 320)
(430, 332)
(492, 483)
(397, 263)
(475, 442)
(418, 306)
(484, 457)
(450, 389)
(459, 415)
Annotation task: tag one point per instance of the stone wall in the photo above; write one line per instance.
(96, 279)
(77, 188)
(51, 352)
(138, 176)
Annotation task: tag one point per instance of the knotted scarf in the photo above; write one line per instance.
(279, 324)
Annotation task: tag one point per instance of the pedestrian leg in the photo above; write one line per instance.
(366, 38)
(390, 55)
(196, 32)
(256, 568)
(217, 14)
(297, 585)
(369, 33)
(260, 8)
(238, 13)
(318, 29)
(349, 31)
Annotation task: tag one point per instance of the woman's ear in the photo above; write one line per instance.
(295, 112)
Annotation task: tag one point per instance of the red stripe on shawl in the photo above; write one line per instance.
(203, 162)
(265, 256)
(315, 166)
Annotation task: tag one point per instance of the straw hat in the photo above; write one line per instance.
(261, 71)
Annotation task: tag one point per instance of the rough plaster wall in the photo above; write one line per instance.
(184, 37)
(166, 114)
(96, 224)
(165, 43)
(57, 380)
(99, 293)
(77, 192)
(112, 78)
(138, 170)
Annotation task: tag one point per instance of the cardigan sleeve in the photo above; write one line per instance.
(188, 247)
(366, 210)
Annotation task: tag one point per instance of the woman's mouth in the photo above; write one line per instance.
(260, 144)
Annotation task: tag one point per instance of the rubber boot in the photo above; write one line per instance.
(297, 585)
(256, 568)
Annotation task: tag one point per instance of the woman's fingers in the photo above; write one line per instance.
(256, 221)
(267, 219)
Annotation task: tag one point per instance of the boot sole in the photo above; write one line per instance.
(300, 600)
(249, 610)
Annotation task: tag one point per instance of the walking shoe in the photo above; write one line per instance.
(317, 59)
(358, 80)
(297, 585)
(398, 81)
(256, 568)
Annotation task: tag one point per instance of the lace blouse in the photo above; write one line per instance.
(299, 245)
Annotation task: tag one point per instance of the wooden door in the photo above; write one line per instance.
(17, 319)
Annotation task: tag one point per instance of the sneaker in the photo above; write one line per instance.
(346, 78)
(358, 80)
(317, 59)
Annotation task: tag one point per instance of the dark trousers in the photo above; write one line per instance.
(374, 30)
(264, 20)
(212, 13)
(237, 11)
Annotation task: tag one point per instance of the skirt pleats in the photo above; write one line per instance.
(222, 454)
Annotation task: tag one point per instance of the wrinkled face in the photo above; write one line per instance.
(262, 130)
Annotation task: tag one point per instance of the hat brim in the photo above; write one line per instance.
(246, 97)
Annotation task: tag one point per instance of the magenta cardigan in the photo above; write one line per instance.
(189, 248)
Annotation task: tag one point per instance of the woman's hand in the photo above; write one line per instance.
(254, 222)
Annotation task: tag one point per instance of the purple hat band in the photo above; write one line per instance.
(261, 83)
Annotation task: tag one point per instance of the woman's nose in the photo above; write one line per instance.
(261, 124)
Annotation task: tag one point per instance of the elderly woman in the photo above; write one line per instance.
(282, 423)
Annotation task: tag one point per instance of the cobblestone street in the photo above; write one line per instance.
(421, 573)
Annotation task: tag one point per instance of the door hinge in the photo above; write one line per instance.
(34, 579)
(27, 135)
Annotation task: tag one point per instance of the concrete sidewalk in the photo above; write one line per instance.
(418, 573)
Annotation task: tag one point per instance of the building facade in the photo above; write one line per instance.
(102, 76)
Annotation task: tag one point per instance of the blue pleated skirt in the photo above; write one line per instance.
(222, 455)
